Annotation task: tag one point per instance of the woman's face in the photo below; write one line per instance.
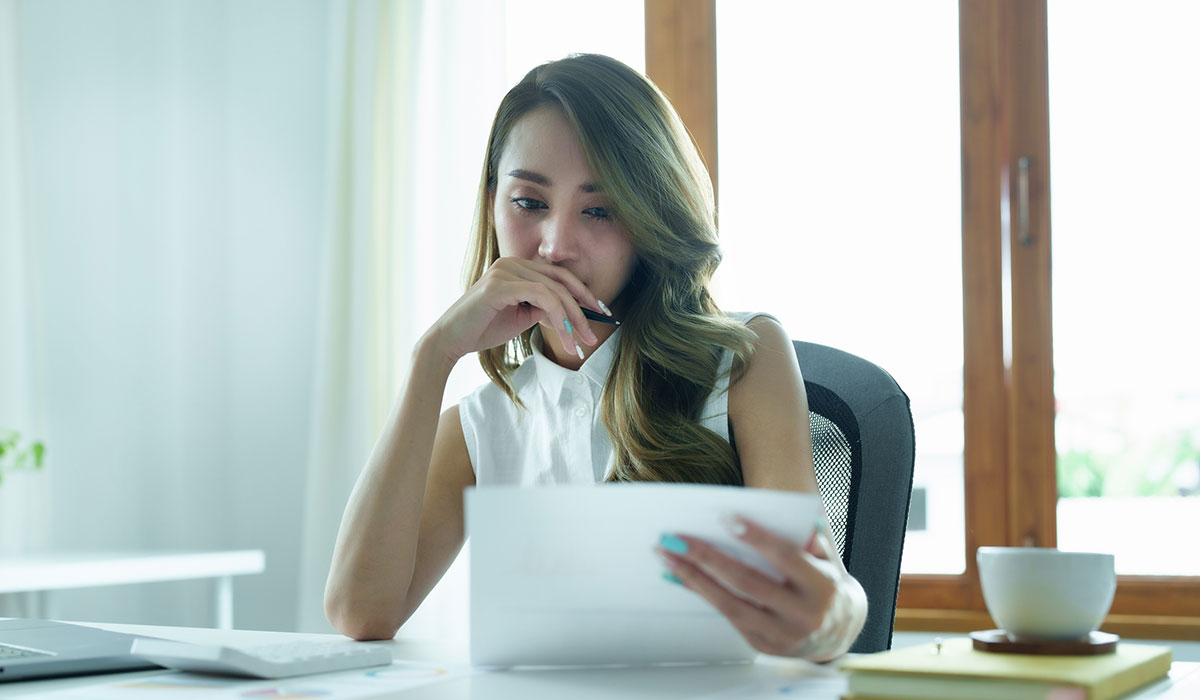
(546, 207)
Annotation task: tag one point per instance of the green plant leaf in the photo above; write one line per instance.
(13, 456)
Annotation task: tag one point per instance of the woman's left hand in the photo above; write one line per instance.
(815, 612)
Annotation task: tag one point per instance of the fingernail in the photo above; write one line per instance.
(671, 543)
(734, 525)
(568, 325)
(667, 575)
(603, 307)
(578, 351)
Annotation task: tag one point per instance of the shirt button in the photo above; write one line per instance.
(581, 411)
(578, 378)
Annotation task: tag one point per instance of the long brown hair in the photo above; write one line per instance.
(672, 334)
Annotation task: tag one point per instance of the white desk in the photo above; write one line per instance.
(765, 679)
(39, 574)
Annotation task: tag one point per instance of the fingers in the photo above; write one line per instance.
(765, 631)
(745, 580)
(545, 301)
(819, 544)
(808, 569)
(570, 291)
(566, 314)
(802, 607)
(575, 287)
(775, 616)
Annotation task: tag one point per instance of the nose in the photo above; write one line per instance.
(560, 238)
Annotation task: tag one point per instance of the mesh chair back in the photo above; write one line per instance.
(863, 448)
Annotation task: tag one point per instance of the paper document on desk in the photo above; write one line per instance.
(568, 575)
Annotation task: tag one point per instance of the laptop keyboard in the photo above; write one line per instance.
(7, 652)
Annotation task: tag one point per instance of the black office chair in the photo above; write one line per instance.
(863, 449)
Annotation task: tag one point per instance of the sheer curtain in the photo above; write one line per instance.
(413, 89)
(158, 232)
(24, 497)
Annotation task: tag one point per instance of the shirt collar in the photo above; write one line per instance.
(595, 368)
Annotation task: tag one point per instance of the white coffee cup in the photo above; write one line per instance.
(1040, 593)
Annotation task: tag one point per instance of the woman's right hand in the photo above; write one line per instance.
(511, 296)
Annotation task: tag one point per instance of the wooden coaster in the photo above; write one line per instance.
(999, 641)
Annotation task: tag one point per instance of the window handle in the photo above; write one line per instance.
(1023, 201)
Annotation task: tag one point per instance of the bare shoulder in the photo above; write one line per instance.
(450, 456)
(449, 467)
(768, 413)
(450, 418)
(772, 367)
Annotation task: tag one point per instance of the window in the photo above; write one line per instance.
(1123, 145)
(840, 213)
(1126, 247)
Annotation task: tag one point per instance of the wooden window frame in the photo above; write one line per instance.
(1009, 451)
(681, 58)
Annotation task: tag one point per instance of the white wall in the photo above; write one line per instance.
(173, 165)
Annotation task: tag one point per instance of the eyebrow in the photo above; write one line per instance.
(539, 179)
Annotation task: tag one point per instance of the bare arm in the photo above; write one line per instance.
(404, 518)
(819, 609)
(769, 411)
(403, 524)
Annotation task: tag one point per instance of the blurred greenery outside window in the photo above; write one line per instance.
(1167, 466)
(14, 456)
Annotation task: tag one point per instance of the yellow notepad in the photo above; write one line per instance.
(960, 672)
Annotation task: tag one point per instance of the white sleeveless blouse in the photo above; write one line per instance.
(560, 437)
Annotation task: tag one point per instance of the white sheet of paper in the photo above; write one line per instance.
(567, 575)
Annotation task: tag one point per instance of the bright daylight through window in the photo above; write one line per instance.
(1124, 148)
(839, 204)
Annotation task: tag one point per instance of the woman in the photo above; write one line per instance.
(594, 196)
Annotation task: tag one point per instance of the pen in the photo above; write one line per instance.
(593, 316)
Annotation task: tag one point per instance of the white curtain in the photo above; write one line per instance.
(24, 497)
(159, 209)
(413, 89)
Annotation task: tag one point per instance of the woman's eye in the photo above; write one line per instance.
(528, 203)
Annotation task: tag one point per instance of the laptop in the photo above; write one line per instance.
(41, 649)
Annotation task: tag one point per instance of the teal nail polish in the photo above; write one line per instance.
(667, 575)
(671, 543)
(568, 325)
